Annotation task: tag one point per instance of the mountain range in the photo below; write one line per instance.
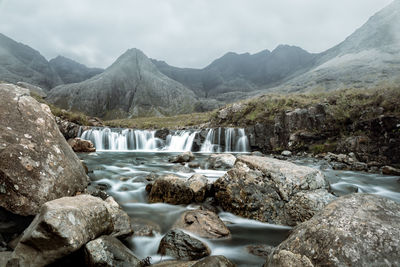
(135, 85)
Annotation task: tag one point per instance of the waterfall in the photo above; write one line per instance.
(180, 141)
(217, 140)
(242, 144)
(235, 141)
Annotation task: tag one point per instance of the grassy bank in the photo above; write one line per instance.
(344, 105)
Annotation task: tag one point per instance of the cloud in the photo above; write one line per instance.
(183, 33)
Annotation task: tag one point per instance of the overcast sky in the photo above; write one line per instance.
(184, 33)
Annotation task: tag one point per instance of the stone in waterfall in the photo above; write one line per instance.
(353, 230)
(203, 223)
(80, 145)
(107, 251)
(271, 190)
(36, 163)
(182, 246)
(63, 226)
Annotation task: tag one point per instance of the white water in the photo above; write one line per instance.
(179, 141)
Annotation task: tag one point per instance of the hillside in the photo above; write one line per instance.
(20, 63)
(132, 86)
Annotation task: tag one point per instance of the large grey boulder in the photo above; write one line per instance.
(107, 251)
(63, 226)
(354, 230)
(202, 223)
(182, 246)
(131, 86)
(36, 163)
(271, 190)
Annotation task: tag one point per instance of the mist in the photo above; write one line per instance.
(182, 33)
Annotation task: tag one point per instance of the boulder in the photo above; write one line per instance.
(81, 145)
(175, 190)
(36, 163)
(198, 184)
(181, 158)
(182, 246)
(286, 153)
(262, 188)
(303, 205)
(171, 189)
(122, 223)
(221, 161)
(107, 251)
(63, 226)
(353, 230)
(388, 170)
(203, 223)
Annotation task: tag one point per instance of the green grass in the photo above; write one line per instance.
(344, 105)
(173, 122)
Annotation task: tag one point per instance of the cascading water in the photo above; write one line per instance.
(179, 141)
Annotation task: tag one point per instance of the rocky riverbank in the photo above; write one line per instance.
(49, 215)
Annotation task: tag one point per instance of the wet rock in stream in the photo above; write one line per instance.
(175, 190)
(182, 246)
(64, 225)
(266, 189)
(354, 230)
(107, 251)
(203, 223)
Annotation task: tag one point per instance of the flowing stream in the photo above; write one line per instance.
(123, 174)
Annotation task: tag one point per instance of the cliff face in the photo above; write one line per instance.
(20, 63)
(132, 86)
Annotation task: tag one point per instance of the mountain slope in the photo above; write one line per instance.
(19, 62)
(367, 58)
(242, 72)
(132, 86)
(71, 71)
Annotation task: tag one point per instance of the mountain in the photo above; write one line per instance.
(20, 63)
(71, 71)
(367, 58)
(242, 72)
(131, 86)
